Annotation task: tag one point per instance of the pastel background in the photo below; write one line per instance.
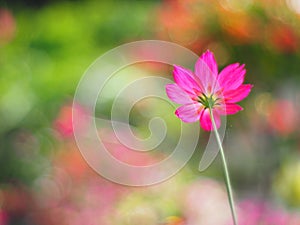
(45, 48)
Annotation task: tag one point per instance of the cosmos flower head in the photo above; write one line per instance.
(205, 89)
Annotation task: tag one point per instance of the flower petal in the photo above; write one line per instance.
(232, 76)
(238, 94)
(209, 58)
(184, 79)
(228, 109)
(177, 95)
(205, 121)
(206, 70)
(190, 112)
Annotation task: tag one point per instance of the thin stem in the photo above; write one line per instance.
(227, 179)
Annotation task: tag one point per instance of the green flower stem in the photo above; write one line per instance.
(227, 179)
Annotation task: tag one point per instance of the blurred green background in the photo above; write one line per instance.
(45, 48)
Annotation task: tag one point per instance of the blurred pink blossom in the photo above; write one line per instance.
(124, 153)
(253, 212)
(7, 26)
(179, 22)
(283, 37)
(79, 195)
(63, 122)
(3, 218)
(205, 203)
(283, 117)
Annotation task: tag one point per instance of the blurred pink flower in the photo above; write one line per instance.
(205, 203)
(3, 218)
(253, 212)
(125, 154)
(64, 124)
(283, 117)
(16, 199)
(282, 37)
(79, 195)
(179, 22)
(7, 26)
(206, 88)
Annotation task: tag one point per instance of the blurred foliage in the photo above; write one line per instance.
(43, 54)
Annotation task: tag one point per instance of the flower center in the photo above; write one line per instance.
(208, 101)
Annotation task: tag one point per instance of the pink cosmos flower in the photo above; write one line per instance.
(206, 88)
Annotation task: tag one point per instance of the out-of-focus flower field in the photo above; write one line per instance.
(45, 48)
